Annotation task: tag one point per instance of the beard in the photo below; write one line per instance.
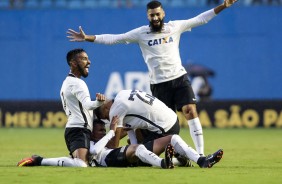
(157, 28)
(82, 71)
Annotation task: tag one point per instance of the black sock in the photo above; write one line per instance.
(201, 161)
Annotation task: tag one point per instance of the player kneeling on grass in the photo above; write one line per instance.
(127, 156)
(103, 156)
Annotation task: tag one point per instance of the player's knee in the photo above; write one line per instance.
(131, 150)
(79, 163)
(190, 111)
(140, 147)
(175, 139)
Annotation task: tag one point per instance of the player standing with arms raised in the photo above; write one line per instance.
(159, 43)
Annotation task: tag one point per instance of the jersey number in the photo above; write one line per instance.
(65, 103)
(148, 100)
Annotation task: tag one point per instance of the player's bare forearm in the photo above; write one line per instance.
(114, 142)
(90, 38)
(123, 134)
(224, 5)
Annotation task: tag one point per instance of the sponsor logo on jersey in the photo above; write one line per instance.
(160, 41)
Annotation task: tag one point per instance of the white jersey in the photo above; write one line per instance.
(77, 103)
(101, 156)
(160, 50)
(137, 109)
(99, 151)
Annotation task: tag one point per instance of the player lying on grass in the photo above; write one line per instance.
(127, 156)
(129, 104)
(138, 110)
(102, 156)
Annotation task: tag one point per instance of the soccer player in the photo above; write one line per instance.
(138, 110)
(79, 108)
(102, 155)
(159, 43)
(135, 109)
(125, 156)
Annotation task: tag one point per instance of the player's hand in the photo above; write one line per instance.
(114, 122)
(76, 36)
(228, 3)
(100, 97)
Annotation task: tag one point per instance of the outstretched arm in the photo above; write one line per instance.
(79, 36)
(206, 16)
(108, 39)
(225, 4)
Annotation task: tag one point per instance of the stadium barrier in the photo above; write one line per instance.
(213, 114)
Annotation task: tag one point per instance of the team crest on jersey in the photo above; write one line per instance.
(160, 41)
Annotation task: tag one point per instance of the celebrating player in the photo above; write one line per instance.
(101, 155)
(135, 109)
(159, 43)
(124, 156)
(79, 108)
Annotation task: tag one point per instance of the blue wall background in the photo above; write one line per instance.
(242, 44)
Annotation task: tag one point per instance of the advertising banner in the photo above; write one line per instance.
(213, 114)
(32, 114)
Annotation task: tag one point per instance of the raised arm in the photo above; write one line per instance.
(225, 4)
(108, 39)
(114, 142)
(204, 17)
(95, 149)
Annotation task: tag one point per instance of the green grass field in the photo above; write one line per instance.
(250, 156)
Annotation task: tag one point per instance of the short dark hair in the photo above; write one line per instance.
(98, 121)
(72, 53)
(97, 112)
(153, 5)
